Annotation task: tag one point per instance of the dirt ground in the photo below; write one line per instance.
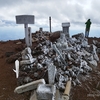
(88, 90)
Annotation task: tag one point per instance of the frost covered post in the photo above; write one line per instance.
(25, 19)
(65, 27)
(30, 35)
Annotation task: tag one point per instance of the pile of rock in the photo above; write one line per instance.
(57, 61)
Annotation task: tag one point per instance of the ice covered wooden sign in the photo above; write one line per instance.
(26, 19)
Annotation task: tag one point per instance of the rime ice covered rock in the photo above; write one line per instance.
(27, 57)
(98, 50)
(51, 73)
(62, 42)
(39, 66)
(94, 53)
(96, 43)
(78, 36)
(45, 92)
(93, 63)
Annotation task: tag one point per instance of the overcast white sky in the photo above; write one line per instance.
(74, 11)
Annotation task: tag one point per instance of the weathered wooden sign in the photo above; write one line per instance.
(25, 19)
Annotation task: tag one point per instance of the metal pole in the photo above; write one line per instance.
(50, 23)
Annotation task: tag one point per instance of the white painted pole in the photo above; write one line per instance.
(16, 68)
(30, 36)
(26, 34)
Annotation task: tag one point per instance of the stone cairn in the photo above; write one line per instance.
(57, 61)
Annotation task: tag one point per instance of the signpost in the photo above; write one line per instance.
(25, 19)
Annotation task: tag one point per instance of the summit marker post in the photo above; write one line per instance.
(25, 19)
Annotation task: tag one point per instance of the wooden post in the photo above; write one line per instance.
(65, 95)
(68, 87)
